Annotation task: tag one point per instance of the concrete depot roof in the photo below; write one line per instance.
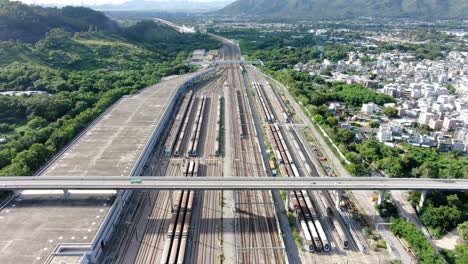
(34, 223)
(113, 144)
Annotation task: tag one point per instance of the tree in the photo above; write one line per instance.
(462, 254)
(374, 124)
(463, 230)
(418, 242)
(387, 209)
(355, 169)
(353, 157)
(37, 123)
(332, 121)
(345, 136)
(443, 217)
(426, 170)
(318, 119)
(4, 128)
(454, 200)
(391, 112)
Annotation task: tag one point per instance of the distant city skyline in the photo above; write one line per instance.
(97, 2)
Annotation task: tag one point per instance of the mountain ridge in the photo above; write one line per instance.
(175, 5)
(329, 9)
(27, 23)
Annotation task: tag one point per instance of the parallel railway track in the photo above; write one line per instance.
(304, 205)
(258, 235)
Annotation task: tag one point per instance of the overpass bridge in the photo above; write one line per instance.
(228, 183)
(181, 29)
(225, 62)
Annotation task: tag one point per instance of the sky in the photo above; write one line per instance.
(96, 2)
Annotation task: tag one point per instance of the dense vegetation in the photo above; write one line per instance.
(413, 162)
(82, 74)
(314, 91)
(443, 212)
(419, 244)
(457, 256)
(286, 48)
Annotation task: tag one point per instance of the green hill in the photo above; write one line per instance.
(30, 23)
(329, 9)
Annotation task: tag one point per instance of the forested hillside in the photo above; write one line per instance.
(83, 68)
(332, 9)
(29, 24)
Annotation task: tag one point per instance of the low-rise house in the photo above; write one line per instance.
(435, 124)
(444, 144)
(449, 123)
(458, 145)
(424, 118)
(428, 141)
(370, 108)
(413, 139)
(385, 134)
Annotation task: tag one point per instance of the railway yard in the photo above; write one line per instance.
(235, 124)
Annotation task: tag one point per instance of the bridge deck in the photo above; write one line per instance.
(231, 183)
(113, 144)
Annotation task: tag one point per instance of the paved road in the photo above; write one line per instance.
(229, 183)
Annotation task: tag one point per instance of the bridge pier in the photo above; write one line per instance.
(171, 200)
(339, 197)
(288, 200)
(422, 200)
(234, 201)
(66, 193)
(381, 197)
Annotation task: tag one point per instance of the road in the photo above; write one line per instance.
(229, 183)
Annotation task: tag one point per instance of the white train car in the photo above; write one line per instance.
(315, 236)
(318, 225)
(295, 171)
(308, 243)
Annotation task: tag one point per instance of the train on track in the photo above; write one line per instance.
(179, 227)
(325, 198)
(310, 225)
(219, 126)
(181, 136)
(263, 102)
(284, 109)
(196, 130)
(240, 113)
(178, 125)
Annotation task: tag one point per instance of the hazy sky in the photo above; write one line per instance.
(95, 2)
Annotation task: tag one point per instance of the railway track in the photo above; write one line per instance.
(177, 235)
(258, 239)
(191, 232)
(199, 149)
(155, 237)
(305, 206)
